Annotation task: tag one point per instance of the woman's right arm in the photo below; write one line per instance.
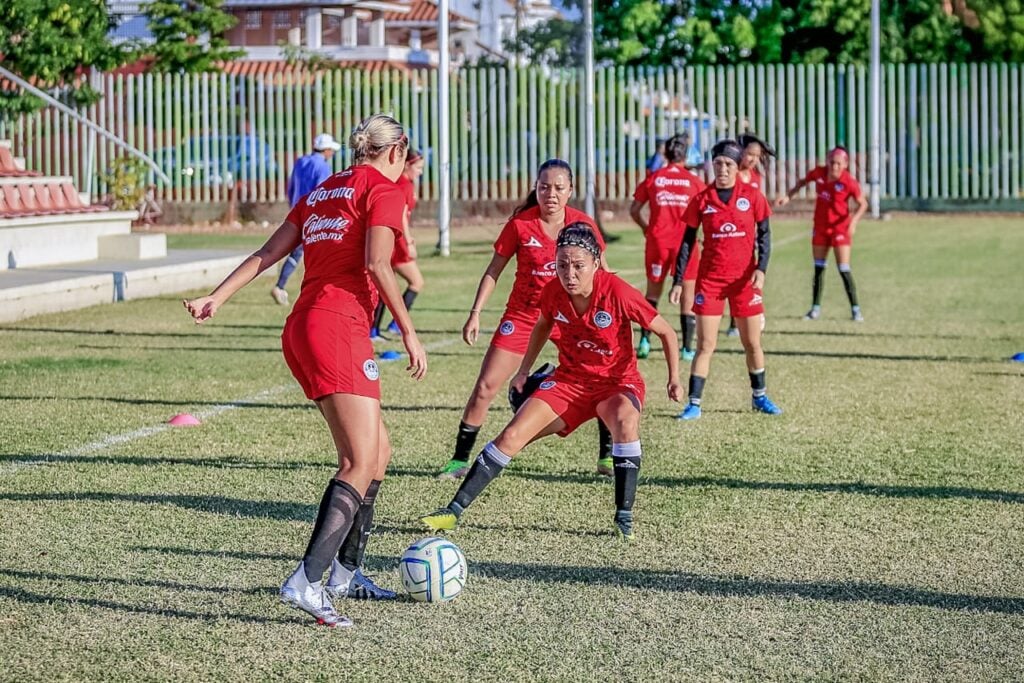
(280, 244)
(471, 330)
(539, 337)
(784, 199)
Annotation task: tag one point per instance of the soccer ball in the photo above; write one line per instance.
(433, 570)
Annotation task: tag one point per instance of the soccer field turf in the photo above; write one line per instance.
(873, 531)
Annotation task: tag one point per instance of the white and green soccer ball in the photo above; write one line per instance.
(433, 570)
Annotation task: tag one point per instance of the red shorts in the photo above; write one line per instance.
(660, 259)
(744, 300)
(330, 353)
(401, 253)
(832, 237)
(575, 401)
(514, 330)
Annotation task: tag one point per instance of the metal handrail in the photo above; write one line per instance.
(86, 122)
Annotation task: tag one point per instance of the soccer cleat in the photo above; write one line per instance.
(732, 332)
(855, 315)
(605, 467)
(375, 334)
(687, 354)
(813, 314)
(362, 587)
(454, 469)
(643, 349)
(393, 328)
(690, 412)
(624, 524)
(298, 592)
(763, 404)
(279, 295)
(441, 520)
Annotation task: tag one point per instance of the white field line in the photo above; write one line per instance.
(202, 415)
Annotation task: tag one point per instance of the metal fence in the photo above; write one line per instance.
(950, 131)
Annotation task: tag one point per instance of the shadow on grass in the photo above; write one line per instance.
(853, 355)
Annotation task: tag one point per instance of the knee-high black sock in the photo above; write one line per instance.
(689, 323)
(605, 437)
(732, 322)
(851, 288)
(644, 332)
(378, 315)
(627, 467)
(696, 389)
(409, 296)
(819, 281)
(338, 509)
(464, 441)
(488, 465)
(352, 550)
(758, 383)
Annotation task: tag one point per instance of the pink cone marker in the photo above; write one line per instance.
(183, 420)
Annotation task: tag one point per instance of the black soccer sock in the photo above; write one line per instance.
(819, 281)
(627, 466)
(689, 323)
(464, 441)
(378, 316)
(487, 466)
(696, 389)
(851, 287)
(758, 383)
(352, 550)
(605, 437)
(732, 323)
(338, 509)
(408, 297)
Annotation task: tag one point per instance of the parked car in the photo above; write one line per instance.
(217, 159)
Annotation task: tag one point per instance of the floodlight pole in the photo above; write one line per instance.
(444, 205)
(590, 123)
(876, 108)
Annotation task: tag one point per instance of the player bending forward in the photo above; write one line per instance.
(597, 374)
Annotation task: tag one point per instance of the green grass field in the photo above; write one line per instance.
(873, 531)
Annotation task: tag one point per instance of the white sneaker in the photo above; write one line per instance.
(279, 295)
(338, 581)
(311, 598)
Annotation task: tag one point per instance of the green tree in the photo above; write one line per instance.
(189, 35)
(48, 42)
(995, 28)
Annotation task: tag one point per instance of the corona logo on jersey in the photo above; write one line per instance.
(321, 195)
(662, 181)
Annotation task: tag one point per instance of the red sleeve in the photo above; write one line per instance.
(641, 195)
(295, 216)
(410, 196)
(508, 241)
(761, 207)
(385, 206)
(854, 186)
(637, 308)
(691, 217)
(816, 175)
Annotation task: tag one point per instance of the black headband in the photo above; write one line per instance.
(579, 235)
(727, 149)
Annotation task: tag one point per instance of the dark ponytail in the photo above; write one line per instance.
(767, 151)
(677, 147)
(531, 199)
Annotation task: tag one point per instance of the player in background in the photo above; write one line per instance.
(403, 261)
(309, 171)
(597, 375)
(667, 191)
(834, 226)
(733, 217)
(348, 225)
(529, 237)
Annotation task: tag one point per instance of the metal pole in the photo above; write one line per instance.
(876, 108)
(590, 125)
(444, 212)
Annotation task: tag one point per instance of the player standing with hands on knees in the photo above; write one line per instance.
(834, 227)
(529, 236)
(348, 226)
(734, 218)
(597, 376)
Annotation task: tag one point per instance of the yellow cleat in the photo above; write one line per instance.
(442, 520)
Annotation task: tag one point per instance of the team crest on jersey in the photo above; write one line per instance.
(371, 370)
(561, 318)
(547, 384)
(532, 242)
(839, 187)
(602, 319)
(743, 204)
(507, 328)
(755, 300)
(655, 270)
(699, 299)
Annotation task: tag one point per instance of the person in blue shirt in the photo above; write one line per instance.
(309, 171)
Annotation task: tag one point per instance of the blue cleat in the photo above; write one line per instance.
(375, 334)
(393, 328)
(687, 354)
(763, 404)
(690, 412)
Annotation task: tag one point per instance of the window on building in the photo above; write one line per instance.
(282, 19)
(254, 19)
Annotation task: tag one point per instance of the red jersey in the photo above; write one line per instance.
(832, 208)
(668, 190)
(408, 190)
(334, 219)
(524, 237)
(756, 180)
(598, 345)
(730, 230)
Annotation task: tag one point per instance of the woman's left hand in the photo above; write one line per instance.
(757, 279)
(675, 390)
(203, 308)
